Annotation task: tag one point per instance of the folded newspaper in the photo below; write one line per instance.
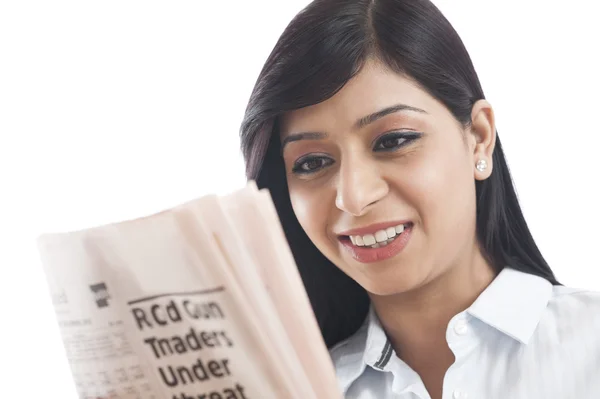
(202, 301)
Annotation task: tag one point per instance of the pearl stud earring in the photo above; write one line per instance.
(481, 165)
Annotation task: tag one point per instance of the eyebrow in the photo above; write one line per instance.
(303, 136)
(361, 123)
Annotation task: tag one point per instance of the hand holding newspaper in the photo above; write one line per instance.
(202, 301)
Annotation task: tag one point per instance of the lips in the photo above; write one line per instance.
(377, 242)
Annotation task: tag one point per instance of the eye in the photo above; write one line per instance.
(311, 164)
(394, 141)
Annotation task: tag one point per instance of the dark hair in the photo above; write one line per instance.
(323, 47)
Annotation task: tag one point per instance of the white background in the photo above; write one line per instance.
(116, 109)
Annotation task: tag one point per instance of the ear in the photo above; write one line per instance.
(482, 138)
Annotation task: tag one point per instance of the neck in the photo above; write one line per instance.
(416, 321)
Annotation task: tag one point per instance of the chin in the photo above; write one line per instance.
(386, 284)
(387, 289)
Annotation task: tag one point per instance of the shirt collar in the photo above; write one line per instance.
(349, 356)
(369, 346)
(513, 304)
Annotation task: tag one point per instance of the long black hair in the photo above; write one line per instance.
(323, 47)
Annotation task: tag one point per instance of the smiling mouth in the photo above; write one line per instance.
(378, 239)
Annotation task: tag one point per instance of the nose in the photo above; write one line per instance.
(360, 186)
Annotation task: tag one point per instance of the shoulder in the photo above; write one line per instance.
(573, 317)
(577, 300)
(563, 354)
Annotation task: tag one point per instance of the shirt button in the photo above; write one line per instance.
(460, 395)
(461, 328)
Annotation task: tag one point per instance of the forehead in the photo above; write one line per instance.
(375, 87)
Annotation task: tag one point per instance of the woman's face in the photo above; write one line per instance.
(381, 178)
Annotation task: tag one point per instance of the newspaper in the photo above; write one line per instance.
(202, 301)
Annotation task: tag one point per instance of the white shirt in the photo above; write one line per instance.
(521, 339)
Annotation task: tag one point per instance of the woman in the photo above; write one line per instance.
(370, 128)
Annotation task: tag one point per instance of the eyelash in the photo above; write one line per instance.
(406, 137)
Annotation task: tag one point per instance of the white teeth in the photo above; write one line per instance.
(391, 232)
(381, 236)
(369, 239)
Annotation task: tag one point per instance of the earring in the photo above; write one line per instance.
(481, 165)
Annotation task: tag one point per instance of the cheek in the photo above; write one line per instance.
(311, 210)
(302, 208)
(441, 188)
